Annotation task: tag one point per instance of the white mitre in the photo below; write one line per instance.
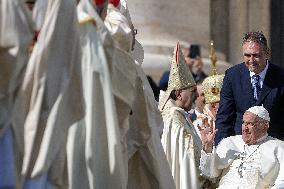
(260, 111)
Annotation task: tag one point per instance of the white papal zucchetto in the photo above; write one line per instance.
(260, 111)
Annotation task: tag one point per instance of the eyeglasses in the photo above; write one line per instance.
(253, 124)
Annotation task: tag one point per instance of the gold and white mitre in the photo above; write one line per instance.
(212, 85)
(180, 76)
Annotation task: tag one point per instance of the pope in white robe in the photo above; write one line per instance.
(252, 160)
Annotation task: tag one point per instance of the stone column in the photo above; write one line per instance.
(259, 16)
(219, 22)
(238, 25)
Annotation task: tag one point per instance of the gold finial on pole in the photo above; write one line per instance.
(213, 58)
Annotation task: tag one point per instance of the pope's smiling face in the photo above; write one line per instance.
(253, 128)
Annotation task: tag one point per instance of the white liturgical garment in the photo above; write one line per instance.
(50, 98)
(95, 157)
(182, 146)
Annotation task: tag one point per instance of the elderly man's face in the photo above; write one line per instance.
(255, 56)
(253, 128)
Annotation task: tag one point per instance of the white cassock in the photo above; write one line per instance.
(119, 28)
(16, 33)
(124, 68)
(121, 32)
(182, 146)
(95, 158)
(51, 98)
(124, 74)
(246, 166)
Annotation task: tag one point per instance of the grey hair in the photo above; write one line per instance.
(255, 36)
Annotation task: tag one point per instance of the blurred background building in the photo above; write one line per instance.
(161, 23)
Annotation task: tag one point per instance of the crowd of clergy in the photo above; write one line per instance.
(77, 110)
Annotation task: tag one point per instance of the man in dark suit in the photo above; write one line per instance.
(254, 82)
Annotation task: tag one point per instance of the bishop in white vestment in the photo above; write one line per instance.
(180, 141)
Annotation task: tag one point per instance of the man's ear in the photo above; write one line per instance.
(178, 94)
(267, 125)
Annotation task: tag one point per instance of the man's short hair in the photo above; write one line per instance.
(255, 36)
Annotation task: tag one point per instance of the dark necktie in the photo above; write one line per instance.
(256, 87)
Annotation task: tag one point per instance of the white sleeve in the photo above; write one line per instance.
(279, 182)
(212, 164)
(208, 165)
